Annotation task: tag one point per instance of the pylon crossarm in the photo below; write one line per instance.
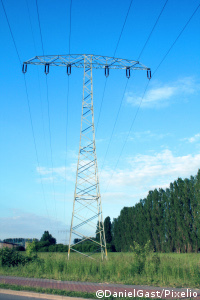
(87, 61)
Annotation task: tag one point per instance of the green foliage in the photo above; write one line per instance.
(18, 240)
(98, 229)
(30, 248)
(168, 218)
(47, 237)
(145, 260)
(49, 291)
(10, 257)
(158, 269)
(20, 248)
(107, 228)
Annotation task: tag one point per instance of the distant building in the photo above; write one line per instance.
(8, 245)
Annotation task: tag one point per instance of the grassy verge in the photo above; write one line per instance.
(47, 291)
(62, 292)
(171, 270)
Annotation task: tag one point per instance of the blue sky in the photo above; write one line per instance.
(164, 142)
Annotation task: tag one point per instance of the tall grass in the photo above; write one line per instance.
(171, 270)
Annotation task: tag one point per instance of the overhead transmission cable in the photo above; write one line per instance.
(114, 125)
(48, 107)
(101, 105)
(124, 89)
(114, 56)
(11, 33)
(70, 25)
(41, 104)
(130, 129)
(153, 28)
(180, 33)
(38, 15)
(123, 27)
(166, 54)
(29, 109)
(36, 151)
(68, 89)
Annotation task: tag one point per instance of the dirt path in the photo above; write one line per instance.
(106, 289)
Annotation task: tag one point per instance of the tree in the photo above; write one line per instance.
(47, 237)
(107, 229)
(98, 230)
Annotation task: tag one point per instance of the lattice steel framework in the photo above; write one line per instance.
(87, 217)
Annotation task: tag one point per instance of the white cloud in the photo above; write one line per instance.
(160, 95)
(146, 172)
(147, 135)
(139, 174)
(193, 139)
(58, 173)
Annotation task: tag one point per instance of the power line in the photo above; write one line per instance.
(142, 48)
(36, 151)
(148, 82)
(114, 125)
(52, 167)
(101, 104)
(42, 110)
(122, 149)
(106, 83)
(11, 33)
(29, 108)
(66, 146)
(182, 30)
(39, 26)
(70, 25)
(31, 27)
(152, 29)
(49, 120)
(123, 27)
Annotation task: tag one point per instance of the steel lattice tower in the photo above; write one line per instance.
(87, 214)
(87, 199)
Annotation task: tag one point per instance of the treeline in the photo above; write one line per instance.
(20, 241)
(169, 218)
(47, 243)
(47, 247)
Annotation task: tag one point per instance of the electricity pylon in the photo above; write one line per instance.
(87, 199)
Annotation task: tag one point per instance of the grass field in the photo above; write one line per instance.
(167, 270)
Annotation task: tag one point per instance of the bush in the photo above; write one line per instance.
(10, 257)
(20, 248)
(144, 258)
(30, 248)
